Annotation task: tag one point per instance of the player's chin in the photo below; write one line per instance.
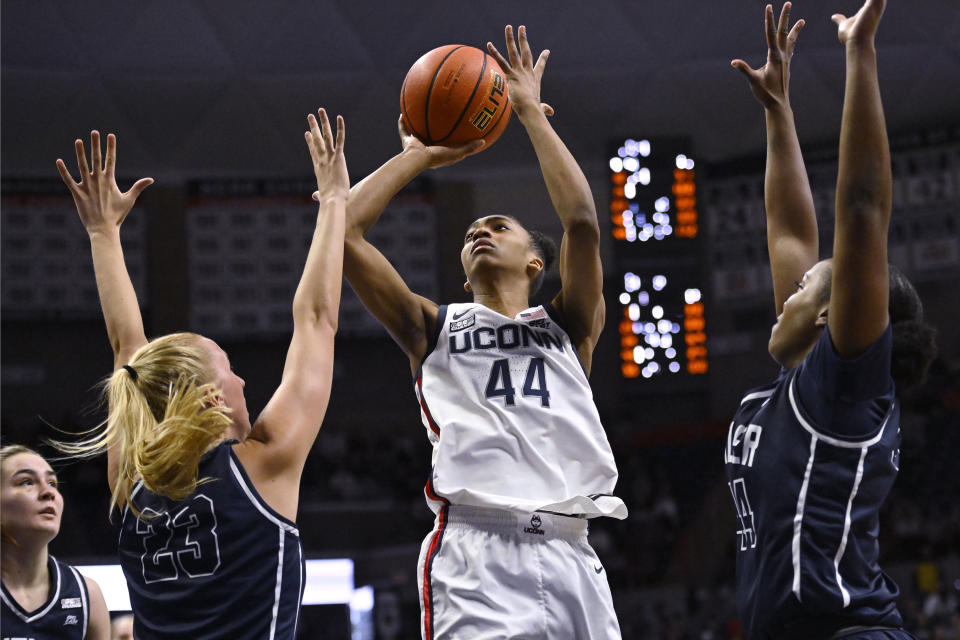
(779, 346)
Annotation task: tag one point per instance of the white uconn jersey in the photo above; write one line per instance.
(510, 413)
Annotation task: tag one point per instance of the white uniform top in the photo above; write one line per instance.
(510, 413)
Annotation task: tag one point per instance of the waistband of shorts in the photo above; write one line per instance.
(534, 526)
(828, 627)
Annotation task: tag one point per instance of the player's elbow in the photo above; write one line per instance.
(863, 205)
(583, 224)
(315, 314)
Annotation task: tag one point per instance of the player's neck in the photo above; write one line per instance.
(23, 568)
(504, 301)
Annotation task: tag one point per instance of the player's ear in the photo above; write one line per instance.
(467, 287)
(534, 265)
(821, 319)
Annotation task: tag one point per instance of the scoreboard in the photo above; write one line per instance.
(656, 231)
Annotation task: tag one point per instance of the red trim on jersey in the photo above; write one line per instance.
(432, 552)
(423, 405)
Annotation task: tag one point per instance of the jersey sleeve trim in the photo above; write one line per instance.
(84, 598)
(757, 395)
(278, 588)
(240, 475)
(433, 338)
(832, 440)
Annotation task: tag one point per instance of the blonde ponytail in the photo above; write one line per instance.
(163, 416)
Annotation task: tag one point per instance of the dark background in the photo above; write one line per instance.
(209, 90)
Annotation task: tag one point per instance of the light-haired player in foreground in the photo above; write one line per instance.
(520, 459)
(208, 542)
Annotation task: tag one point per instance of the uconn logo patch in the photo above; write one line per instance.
(534, 527)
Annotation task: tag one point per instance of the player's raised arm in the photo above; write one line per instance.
(407, 316)
(581, 296)
(791, 220)
(860, 291)
(103, 208)
(277, 448)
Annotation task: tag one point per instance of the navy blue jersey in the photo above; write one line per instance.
(810, 459)
(219, 564)
(64, 616)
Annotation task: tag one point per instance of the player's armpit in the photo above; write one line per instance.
(409, 318)
(581, 295)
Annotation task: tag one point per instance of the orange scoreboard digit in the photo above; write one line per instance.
(653, 208)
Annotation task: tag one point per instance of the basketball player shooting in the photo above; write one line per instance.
(520, 459)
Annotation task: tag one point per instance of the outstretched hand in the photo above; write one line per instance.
(438, 155)
(771, 83)
(523, 76)
(861, 27)
(329, 163)
(99, 201)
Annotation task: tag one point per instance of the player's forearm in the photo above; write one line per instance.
(787, 195)
(118, 299)
(569, 191)
(370, 197)
(317, 299)
(864, 180)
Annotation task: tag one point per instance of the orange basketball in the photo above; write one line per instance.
(455, 94)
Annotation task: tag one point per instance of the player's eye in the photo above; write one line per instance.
(468, 236)
(25, 482)
(799, 284)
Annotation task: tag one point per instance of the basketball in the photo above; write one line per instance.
(455, 94)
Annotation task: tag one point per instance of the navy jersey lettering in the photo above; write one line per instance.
(64, 616)
(219, 564)
(810, 459)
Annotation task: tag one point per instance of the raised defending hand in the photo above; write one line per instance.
(329, 163)
(523, 76)
(99, 201)
(862, 26)
(771, 82)
(438, 155)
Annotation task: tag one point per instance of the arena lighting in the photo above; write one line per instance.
(327, 582)
(653, 208)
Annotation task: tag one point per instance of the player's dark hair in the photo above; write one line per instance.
(546, 248)
(914, 341)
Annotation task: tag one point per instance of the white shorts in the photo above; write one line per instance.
(486, 574)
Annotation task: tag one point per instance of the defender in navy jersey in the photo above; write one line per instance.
(208, 542)
(811, 457)
(233, 564)
(40, 597)
(520, 459)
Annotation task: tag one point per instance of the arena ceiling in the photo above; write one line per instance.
(216, 88)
